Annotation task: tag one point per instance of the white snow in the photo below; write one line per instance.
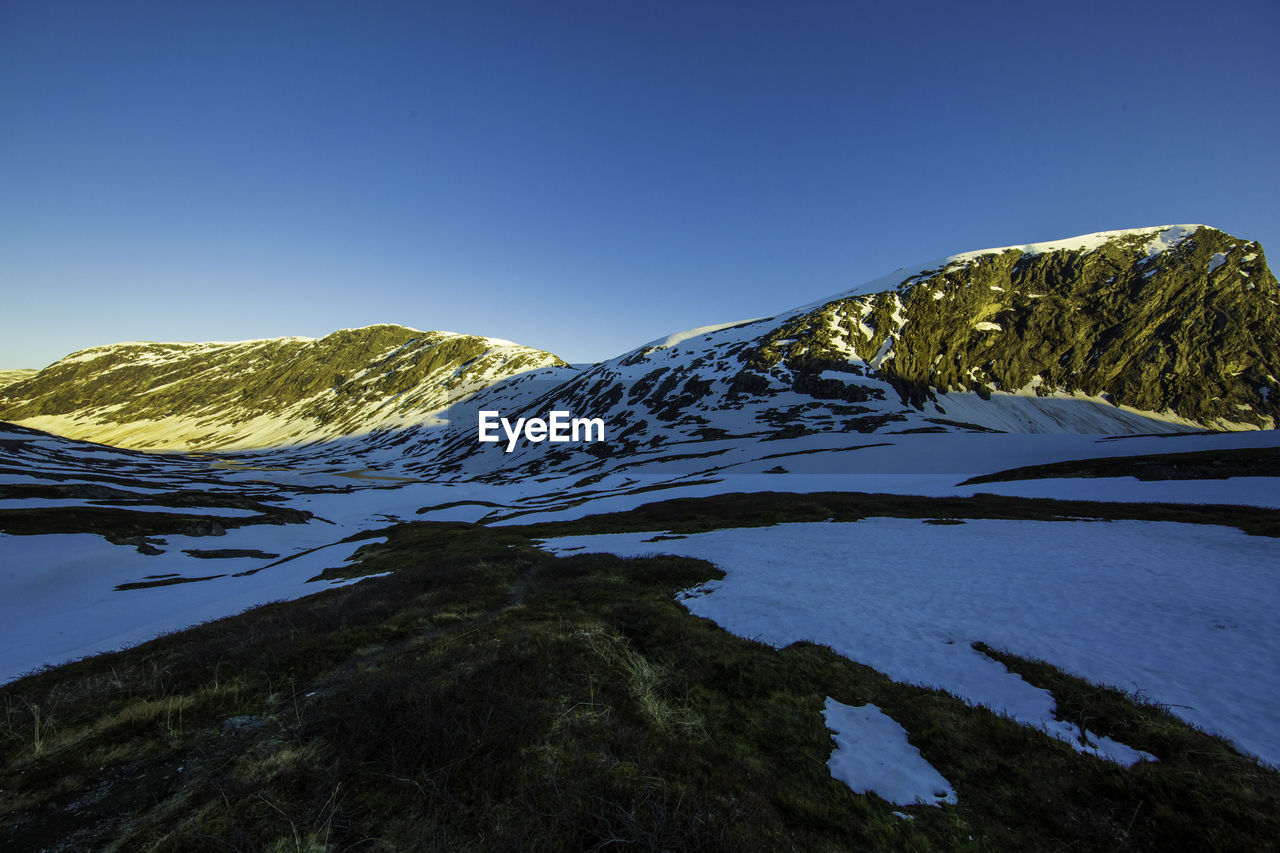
(1216, 261)
(680, 337)
(883, 354)
(988, 326)
(920, 464)
(61, 503)
(1182, 614)
(60, 600)
(872, 755)
(1125, 603)
(493, 342)
(1058, 412)
(1166, 237)
(1241, 491)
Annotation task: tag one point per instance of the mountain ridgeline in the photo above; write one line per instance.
(10, 377)
(264, 392)
(1144, 330)
(1188, 326)
(1154, 330)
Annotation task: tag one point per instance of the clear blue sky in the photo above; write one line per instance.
(586, 176)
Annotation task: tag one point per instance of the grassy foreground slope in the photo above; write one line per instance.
(486, 695)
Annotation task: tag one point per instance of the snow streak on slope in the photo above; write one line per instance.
(1125, 603)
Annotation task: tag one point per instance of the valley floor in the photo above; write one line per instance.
(1063, 654)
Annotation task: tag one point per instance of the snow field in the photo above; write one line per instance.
(60, 601)
(1182, 615)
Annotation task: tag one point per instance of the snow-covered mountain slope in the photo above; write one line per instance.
(1128, 332)
(182, 396)
(12, 377)
(1179, 322)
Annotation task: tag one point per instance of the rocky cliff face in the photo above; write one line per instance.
(261, 393)
(1181, 320)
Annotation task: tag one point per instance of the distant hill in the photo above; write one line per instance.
(12, 377)
(264, 392)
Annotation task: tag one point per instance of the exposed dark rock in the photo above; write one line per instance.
(203, 527)
(1194, 329)
(746, 382)
(871, 423)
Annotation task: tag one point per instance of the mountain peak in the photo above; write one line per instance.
(1150, 240)
(1179, 320)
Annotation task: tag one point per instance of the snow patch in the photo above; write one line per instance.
(1121, 603)
(678, 337)
(872, 755)
(883, 354)
(60, 601)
